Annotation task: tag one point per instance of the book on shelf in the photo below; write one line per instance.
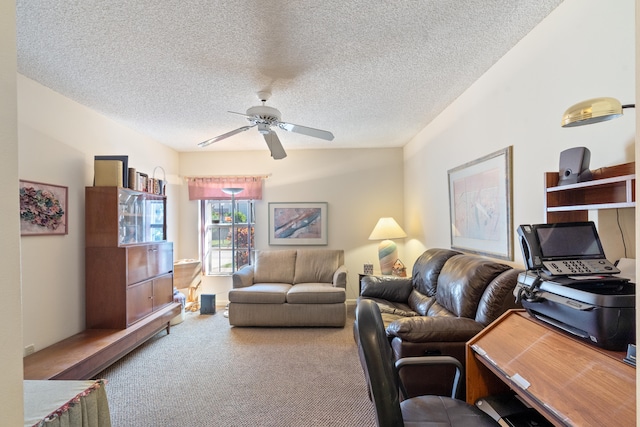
(139, 181)
(125, 167)
(108, 173)
(143, 181)
(133, 182)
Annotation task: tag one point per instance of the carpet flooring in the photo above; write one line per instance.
(207, 373)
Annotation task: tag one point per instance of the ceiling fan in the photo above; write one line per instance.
(265, 117)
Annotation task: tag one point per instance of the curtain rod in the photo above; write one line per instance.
(187, 178)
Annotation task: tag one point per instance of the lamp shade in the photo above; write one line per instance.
(233, 190)
(593, 111)
(387, 228)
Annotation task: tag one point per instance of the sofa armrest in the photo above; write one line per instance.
(340, 277)
(243, 277)
(390, 288)
(434, 329)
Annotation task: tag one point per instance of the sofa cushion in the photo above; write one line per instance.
(390, 288)
(427, 269)
(462, 282)
(261, 293)
(315, 293)
(420, 303)
(389, 307)
(498, 297)
(317, 265)
(274, 266)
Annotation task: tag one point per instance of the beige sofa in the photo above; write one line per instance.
(304, 287)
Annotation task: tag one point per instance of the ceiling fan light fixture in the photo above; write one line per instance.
(593, 110)
(263, 128)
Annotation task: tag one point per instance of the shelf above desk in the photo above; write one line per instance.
(611, 188)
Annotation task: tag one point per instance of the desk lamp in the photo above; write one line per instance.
(593, 111)
(385, 230)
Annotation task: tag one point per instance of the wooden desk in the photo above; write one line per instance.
(568, 381)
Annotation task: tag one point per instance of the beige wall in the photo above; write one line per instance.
(519, 102)
(359, 186)
(58, 140)
(11, 331)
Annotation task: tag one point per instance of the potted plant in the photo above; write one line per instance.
(215, 217)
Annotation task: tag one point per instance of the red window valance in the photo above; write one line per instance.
(207, 188)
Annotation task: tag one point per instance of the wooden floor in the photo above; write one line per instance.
(87, 353)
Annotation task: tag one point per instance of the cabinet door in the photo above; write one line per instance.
(160, 258)
(162, 291)
(146, 261)
(139, 301)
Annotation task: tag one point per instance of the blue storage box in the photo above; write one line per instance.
(207, 304)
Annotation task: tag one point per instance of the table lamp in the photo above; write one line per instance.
(385, 230)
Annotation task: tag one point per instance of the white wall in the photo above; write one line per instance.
(11, 401)
(360, 186)
(58, 139)
(583, 49)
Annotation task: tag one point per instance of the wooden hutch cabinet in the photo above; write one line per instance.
(129, 263)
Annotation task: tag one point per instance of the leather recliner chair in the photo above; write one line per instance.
(449, 298)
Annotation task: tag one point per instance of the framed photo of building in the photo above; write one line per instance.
(480, 205)
(298, 223)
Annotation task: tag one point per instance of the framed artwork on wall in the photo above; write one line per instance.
(43, 209)
(298, 223)
(480, 205)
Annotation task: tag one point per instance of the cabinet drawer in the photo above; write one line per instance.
(146, 261)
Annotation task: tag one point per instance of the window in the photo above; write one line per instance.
(226, 239)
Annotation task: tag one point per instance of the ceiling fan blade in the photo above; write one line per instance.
(223, 136)
(241, 114)
(275, 146)
(316, 133)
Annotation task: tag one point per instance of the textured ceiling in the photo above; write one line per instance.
(372, 72)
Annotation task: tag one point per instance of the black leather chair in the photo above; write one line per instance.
(385, 387)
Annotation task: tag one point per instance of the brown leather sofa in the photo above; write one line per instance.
(449, 298)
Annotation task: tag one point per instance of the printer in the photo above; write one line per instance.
(570, 284)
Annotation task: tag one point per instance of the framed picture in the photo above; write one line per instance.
(298, 223)
(43, 209)
(480, 205)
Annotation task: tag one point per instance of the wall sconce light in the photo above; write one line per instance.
(386, 229)
(593, 111)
